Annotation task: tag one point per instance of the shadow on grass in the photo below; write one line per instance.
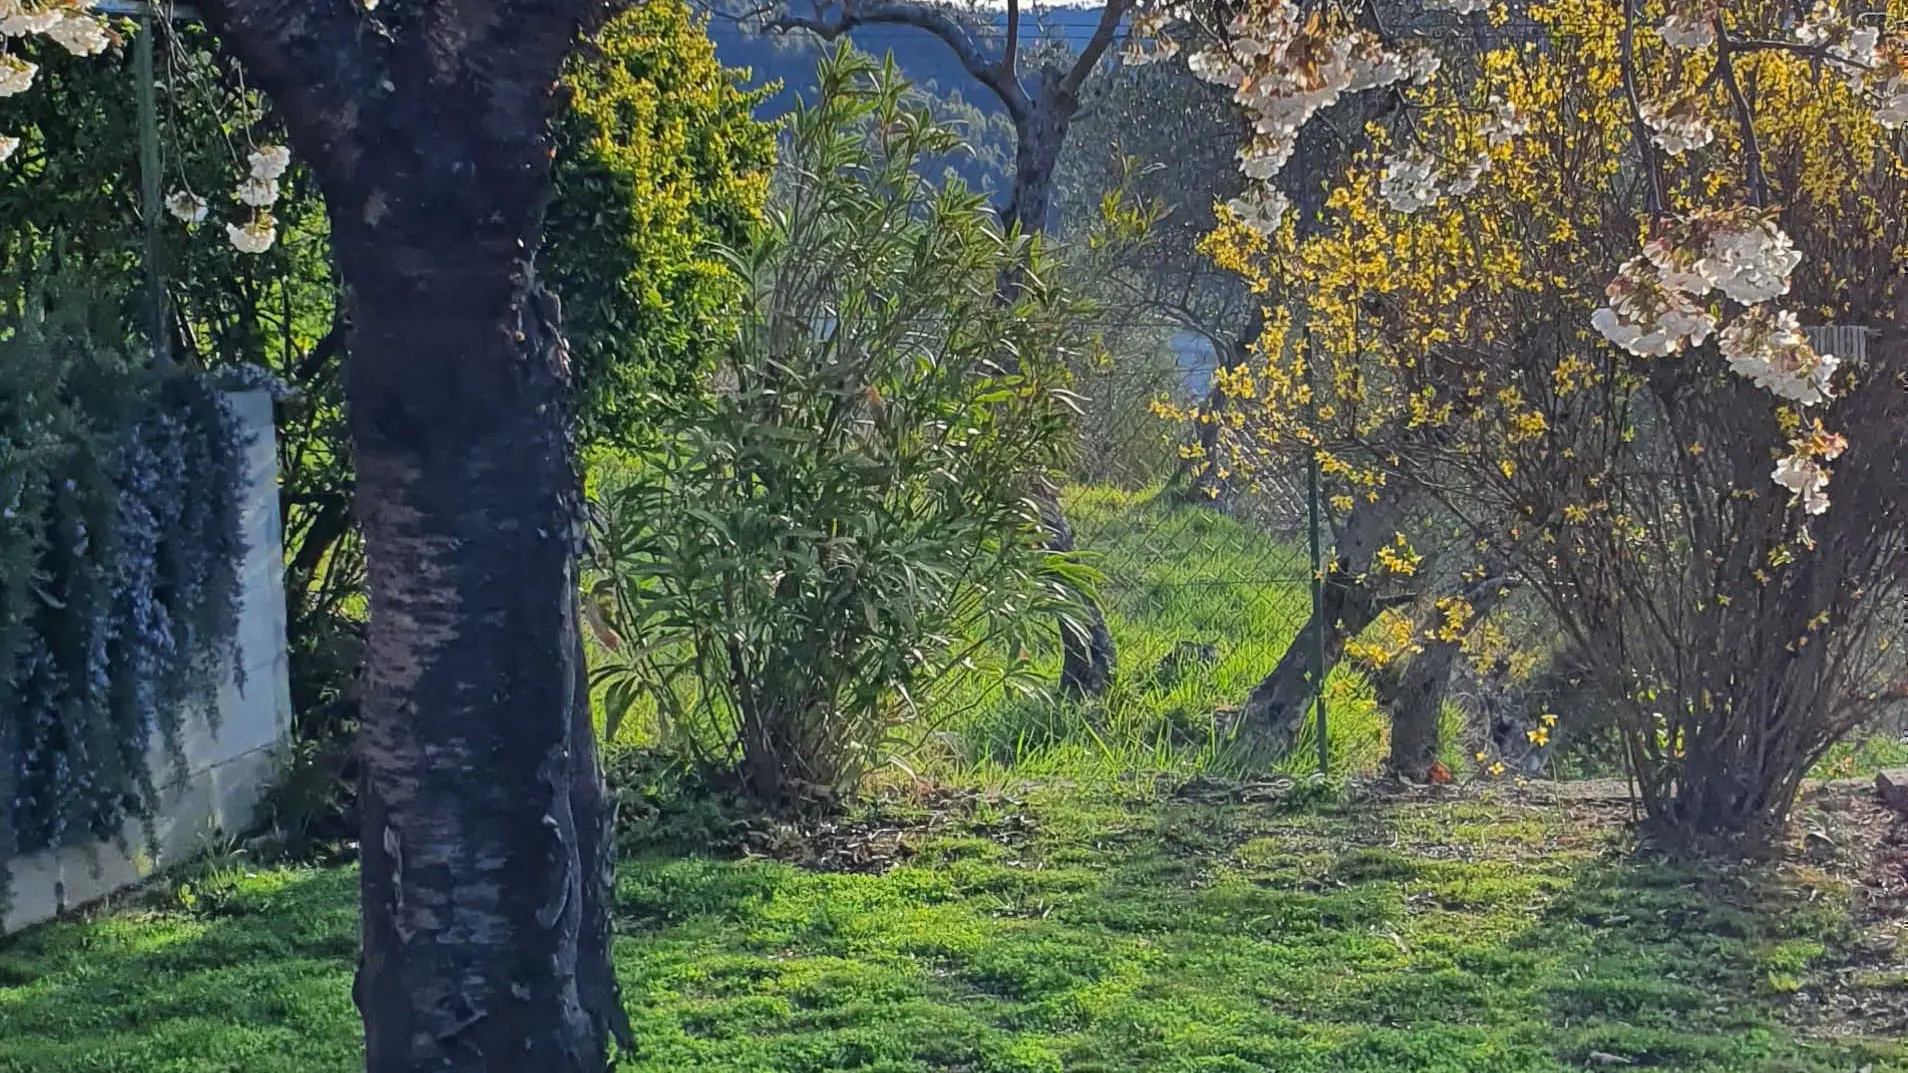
(1139, 936)
(1118, 933)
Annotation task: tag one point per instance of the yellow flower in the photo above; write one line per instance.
(1549, 719)
(1482, 756)
(1539, 737)
(1497, 769)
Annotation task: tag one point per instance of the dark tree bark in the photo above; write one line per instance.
(1041, 119)
(1416, 698)
(1269, 720)
(481, 812)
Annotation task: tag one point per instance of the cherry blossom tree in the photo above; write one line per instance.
(485, 833)
(1286, 60)
(1611, 449)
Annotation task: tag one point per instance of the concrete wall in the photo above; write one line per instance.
(225, 771)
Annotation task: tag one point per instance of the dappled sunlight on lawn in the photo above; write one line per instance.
(1081, 928)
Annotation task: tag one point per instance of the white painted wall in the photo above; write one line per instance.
(225, 771)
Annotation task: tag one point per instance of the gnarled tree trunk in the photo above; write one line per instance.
(482, 817)
(1269, 720)
(1416, 698)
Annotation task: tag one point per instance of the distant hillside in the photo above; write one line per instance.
(920, 55)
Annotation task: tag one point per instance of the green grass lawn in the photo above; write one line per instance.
(1076, 929)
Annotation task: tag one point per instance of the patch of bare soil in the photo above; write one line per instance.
(879, 834)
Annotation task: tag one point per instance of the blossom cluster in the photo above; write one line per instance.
(259, 190)
(1679, 126)
(1770, 349)
(1283, 69)
(1740, 252)
(69, 23)
(1891, 88)
(1691, 28)
(1803, 471)
(1649, 318)
(1870, 62)
(1852, 48)
(1657, 306)
(1146, 38)
(1410, 182)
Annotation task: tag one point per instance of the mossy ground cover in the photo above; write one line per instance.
(1206, 927)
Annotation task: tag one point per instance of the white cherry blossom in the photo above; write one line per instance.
(1892, 111)
(16, 75)
(17, 20)
(1472, 174)
(1505, 123)
(1807, 478)
(1410, 182)
(1771, 350)
(256, 236)
(1678, 127)
(1687, 31)
(186, 206)
(1261, 208)
(269, 162)
(82, 35)
(1648, 319)
(1750, 260)
(258, 193)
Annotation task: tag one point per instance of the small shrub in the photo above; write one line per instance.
(846, 522)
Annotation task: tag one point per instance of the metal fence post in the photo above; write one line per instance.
(1318, 580)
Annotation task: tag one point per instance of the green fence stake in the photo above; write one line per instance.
(1318, 591)
(148, 95)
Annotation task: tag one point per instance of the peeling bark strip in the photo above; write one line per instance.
(484, 871)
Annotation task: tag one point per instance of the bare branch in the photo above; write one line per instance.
(1110, 18)
(1745, 117)
(1010, 54)
(1659, 196)
(922, 16)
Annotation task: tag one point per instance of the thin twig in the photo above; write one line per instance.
(1745, 117)
(1659, 197)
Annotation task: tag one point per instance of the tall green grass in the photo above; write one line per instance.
(1173, 574)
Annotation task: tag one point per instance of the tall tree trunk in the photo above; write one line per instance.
(480, 828)
(473, 852)
(1088, 658)
(1270, 719)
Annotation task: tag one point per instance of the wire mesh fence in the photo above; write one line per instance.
(1206, 582)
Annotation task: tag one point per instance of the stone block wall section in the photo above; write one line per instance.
(226, 770)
